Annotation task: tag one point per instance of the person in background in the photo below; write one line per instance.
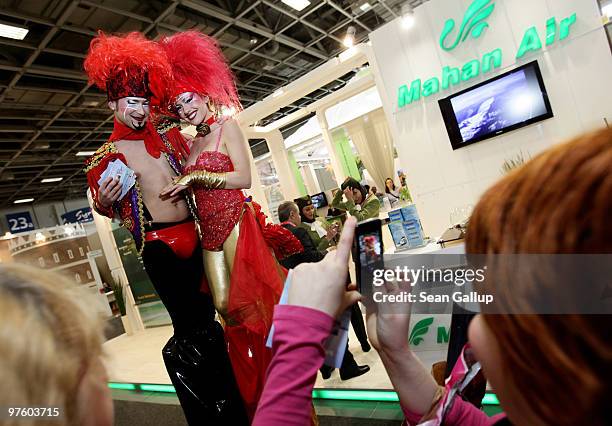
(321, 232)
(307, 212)
(290, 219)
(289, 216)
(561, 377)
(362, 206)
(392, 193)
(373, 190)
(50, 350)
(332, 211)
(358, 203)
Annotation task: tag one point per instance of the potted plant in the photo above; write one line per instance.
(120, 300)
(514, 163)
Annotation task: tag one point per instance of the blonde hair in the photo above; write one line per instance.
(48, 339)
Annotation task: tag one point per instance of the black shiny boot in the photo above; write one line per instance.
(200, 370)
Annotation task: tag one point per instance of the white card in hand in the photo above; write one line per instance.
(127, 177)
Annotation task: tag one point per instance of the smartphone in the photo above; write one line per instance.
(368, 253)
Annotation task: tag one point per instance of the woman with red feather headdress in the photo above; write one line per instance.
(244, 277)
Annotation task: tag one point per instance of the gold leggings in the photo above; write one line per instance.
(218, 267)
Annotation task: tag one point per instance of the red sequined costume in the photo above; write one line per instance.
(256, 279)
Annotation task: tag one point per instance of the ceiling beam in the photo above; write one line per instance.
(43, 43)
(170, 9)
(214, 13)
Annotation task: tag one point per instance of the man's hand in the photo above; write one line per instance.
(348, 193)
(322, 285)
(109, 191)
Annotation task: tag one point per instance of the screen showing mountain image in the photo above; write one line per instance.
(512, 100)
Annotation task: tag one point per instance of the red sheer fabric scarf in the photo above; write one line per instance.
(256, 285)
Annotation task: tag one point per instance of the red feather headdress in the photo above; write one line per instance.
(128, 65)
(199, 66)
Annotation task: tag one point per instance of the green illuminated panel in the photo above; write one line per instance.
(157, 388)
(344, 394)
(355, 395)
(490, 399)
(122, 386)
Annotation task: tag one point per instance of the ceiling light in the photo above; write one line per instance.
(85, 153)
(23, 200)
(277, 93)
(365, 6)
(39, 237)
(408, 21)
(12, 31)
(407, 16)
(7, 236)
(49, 180)
(349, 39)
(347, 54)
(228, 112)
(607, 10)
(298, 5)
(7, 176)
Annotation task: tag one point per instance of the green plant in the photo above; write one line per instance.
(514, 163)
(405, 194)
(119, 297)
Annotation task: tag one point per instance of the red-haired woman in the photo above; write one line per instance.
(545, 344)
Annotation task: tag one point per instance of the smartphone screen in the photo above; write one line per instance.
(368, 252)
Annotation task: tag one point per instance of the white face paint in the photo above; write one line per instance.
(132, 111)
(192, 107)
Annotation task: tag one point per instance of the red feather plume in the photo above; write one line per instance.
(199, 66)
(117, 64)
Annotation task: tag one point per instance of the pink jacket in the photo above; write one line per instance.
(298, 354)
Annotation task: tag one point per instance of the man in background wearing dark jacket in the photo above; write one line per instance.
(289, 217)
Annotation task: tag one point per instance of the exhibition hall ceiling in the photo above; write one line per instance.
(48, 112)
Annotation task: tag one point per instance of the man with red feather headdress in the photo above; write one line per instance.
(134, 73)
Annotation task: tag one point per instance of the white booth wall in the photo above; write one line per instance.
(576, 73)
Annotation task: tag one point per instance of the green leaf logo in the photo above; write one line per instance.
(473, 23)
(419, 330)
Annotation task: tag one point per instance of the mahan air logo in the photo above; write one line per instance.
(474, 23)
(419, 330)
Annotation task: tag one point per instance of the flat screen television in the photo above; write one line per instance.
(507, 102)
(319, 200)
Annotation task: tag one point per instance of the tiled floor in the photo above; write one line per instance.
(137, 359)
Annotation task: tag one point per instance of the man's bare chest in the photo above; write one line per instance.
(141, 161)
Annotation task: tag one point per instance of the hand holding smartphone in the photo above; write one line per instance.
(368, 253)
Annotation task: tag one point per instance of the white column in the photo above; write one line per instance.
(310, 179)
(256, 190)
(111, 253)
(276, 144)
(329, 143)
